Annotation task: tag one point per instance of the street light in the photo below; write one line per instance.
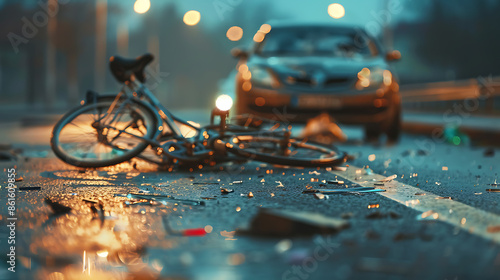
(191, 17)
(336, 11)
(234, 33)
(142, 6)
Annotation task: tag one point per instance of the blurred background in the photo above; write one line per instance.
(53, 51)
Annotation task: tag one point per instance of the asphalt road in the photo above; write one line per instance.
(142, 241)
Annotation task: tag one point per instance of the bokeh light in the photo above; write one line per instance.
(259, 36)
(265, 28)
(142, 6)
(234, 33)
(336, 11)
(192, 17)
(224, 102)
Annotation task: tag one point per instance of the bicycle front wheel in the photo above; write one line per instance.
(272, 150)
(103, 133)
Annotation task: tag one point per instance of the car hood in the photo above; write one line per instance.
(329, 66)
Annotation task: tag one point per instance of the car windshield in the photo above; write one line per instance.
(316, 41)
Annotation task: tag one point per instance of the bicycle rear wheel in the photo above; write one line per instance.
(98, 135)
(274, 150)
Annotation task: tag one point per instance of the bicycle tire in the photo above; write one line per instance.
(117, 154)
(266, 148)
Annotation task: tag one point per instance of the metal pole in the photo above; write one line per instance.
(50, 55)
(100, 51)
(123, 38)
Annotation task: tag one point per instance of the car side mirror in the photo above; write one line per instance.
(239, 53)
(393, 56)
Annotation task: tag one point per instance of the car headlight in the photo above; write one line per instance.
(373, 78)
(261, 76)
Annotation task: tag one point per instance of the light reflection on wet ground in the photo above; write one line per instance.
(131, 241)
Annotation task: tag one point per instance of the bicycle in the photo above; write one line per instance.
(107, 130)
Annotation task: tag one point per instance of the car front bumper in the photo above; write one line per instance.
(350, 107)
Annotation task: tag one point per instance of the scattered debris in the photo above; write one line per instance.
(428, 216)
(287, 223)
(163, 199)
(280, 184)
(249, 195)
(314, 172)
(388, 179)
(493, 229)
(335, 182)
(323, 129)
(30, 188)
(343, 191)
(368, 171)
(283, 246)
(184, 232)
(490, 152)
(340, 168)
(321, 196)
(205, 183)
(57, 208)
(379, 215)
(226, 191)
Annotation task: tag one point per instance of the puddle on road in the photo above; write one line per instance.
(98, 242)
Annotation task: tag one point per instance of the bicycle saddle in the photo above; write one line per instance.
(123, 68)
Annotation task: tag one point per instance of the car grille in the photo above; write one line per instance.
(310, 82)
(361, 110)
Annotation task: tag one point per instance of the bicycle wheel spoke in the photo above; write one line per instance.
(98, 136)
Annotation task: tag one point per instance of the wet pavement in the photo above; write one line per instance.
(195, 232)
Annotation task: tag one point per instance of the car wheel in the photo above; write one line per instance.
(394, 130)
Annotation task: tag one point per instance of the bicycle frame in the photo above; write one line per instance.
(140, 92)
(165, 115)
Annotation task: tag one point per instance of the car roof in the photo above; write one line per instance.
(307, 24)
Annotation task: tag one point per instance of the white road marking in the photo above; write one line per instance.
(473, 220)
